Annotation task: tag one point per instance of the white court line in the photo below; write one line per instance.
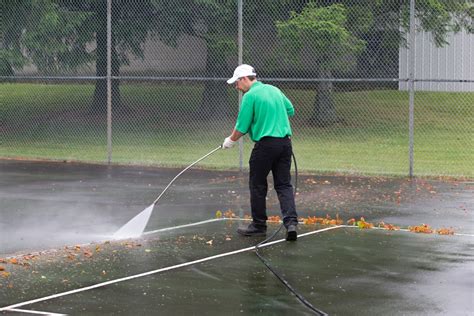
(184, 226)
(459, 234)
(406, 230)
(155, 271)
(355, 226)
(34, 312)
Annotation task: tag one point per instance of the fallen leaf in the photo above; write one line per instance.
(352, 221)
(5, 274)
(229, 214)
(388, 226)
(425, 229)
(445, 231)
(363, 224)
(274, 218)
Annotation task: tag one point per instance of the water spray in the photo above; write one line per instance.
(134, 228)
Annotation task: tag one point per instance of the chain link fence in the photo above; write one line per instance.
(350, 67)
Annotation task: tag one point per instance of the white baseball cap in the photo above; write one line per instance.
(243, 70)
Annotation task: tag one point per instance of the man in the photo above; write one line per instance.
(264, 116)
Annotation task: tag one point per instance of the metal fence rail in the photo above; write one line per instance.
(143, 81)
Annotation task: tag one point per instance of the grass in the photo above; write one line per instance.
(158, 125)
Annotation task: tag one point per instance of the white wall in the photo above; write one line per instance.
(189, 56)
(455, 61)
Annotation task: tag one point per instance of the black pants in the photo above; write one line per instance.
(271, 154)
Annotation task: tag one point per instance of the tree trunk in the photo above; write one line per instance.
(214, 97)
(324, 113)
(99, 104)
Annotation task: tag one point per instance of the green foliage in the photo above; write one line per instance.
(10, 49)
(132, 22)
(53, 37)
(56, 34)
(320, 34)
(214, 21)
(440, 17)
(60, 35)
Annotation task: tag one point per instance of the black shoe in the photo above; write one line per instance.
(253, 231)
(291, 234)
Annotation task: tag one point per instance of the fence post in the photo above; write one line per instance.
(109, 81)
(240, 48)
(411, 85)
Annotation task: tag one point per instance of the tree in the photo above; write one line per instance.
(57, 36)
(334, 34)
(39, 31)
(213, 21)
(132, 22)
(319, 35)
(10, 50)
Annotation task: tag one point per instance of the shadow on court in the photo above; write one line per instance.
(61, 217)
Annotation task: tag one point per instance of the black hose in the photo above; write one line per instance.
(278, 275)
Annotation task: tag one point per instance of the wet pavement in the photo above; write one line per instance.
(342, 271)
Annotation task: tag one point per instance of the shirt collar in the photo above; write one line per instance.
(256, 83)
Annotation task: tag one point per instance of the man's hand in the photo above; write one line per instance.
(228, 143)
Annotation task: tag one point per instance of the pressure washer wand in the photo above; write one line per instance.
(177, 176)
(134, 227)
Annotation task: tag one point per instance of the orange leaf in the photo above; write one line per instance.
(445, 231)
(425, 229)
(229, 214)
(274, 218)
(388, 226)
(363, 224)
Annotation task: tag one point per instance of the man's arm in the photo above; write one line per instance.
(236, 135)
(290, 110)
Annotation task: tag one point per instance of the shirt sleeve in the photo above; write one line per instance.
(290, 110)
(245, 117)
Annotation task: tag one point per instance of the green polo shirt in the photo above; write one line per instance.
(264, 112)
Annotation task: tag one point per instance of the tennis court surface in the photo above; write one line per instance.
(57, 256)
